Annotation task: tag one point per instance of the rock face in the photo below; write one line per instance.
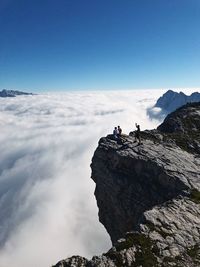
(149, 195)
(135, 179)
(183, 127)
(12, 93)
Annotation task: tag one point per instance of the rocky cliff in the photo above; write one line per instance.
(149, 195)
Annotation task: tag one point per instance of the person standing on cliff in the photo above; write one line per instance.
(137, 134)
(119, 129)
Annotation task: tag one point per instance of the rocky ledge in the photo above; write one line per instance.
(149, 195)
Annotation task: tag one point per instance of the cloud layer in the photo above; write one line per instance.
(48, 210)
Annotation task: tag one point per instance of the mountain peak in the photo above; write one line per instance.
(12, 93)
(171, 100)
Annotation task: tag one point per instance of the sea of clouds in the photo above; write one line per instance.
(47, 206)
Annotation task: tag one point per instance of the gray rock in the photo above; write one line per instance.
(149, 196)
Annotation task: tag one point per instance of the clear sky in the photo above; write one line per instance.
(99, 44)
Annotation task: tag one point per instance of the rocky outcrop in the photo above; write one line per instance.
(183, 127)
(149, 195)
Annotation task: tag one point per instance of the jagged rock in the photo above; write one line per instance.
(73, 262)
(183, 127)
(184, 120)
(149, 195)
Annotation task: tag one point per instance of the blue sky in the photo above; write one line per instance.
(99, 44)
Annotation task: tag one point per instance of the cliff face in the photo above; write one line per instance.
(149, 195)
(132, 179)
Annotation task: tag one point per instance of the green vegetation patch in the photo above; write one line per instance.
(184, 141)
(182, 260)
(116, 257)
(194, 253)
(129, 242)
(195, 196)
(145, 254)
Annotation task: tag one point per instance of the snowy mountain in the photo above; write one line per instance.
(171, 100)
(12, 93)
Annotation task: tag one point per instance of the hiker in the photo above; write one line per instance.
(119, 131)
(115, 133)
(137, 134)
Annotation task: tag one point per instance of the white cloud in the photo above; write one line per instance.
(48, 210)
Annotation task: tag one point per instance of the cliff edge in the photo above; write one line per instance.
(149, 195)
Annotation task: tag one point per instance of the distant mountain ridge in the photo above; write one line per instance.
(12, 93)
(171, 100)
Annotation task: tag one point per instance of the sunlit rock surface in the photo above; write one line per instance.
(149, 195)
